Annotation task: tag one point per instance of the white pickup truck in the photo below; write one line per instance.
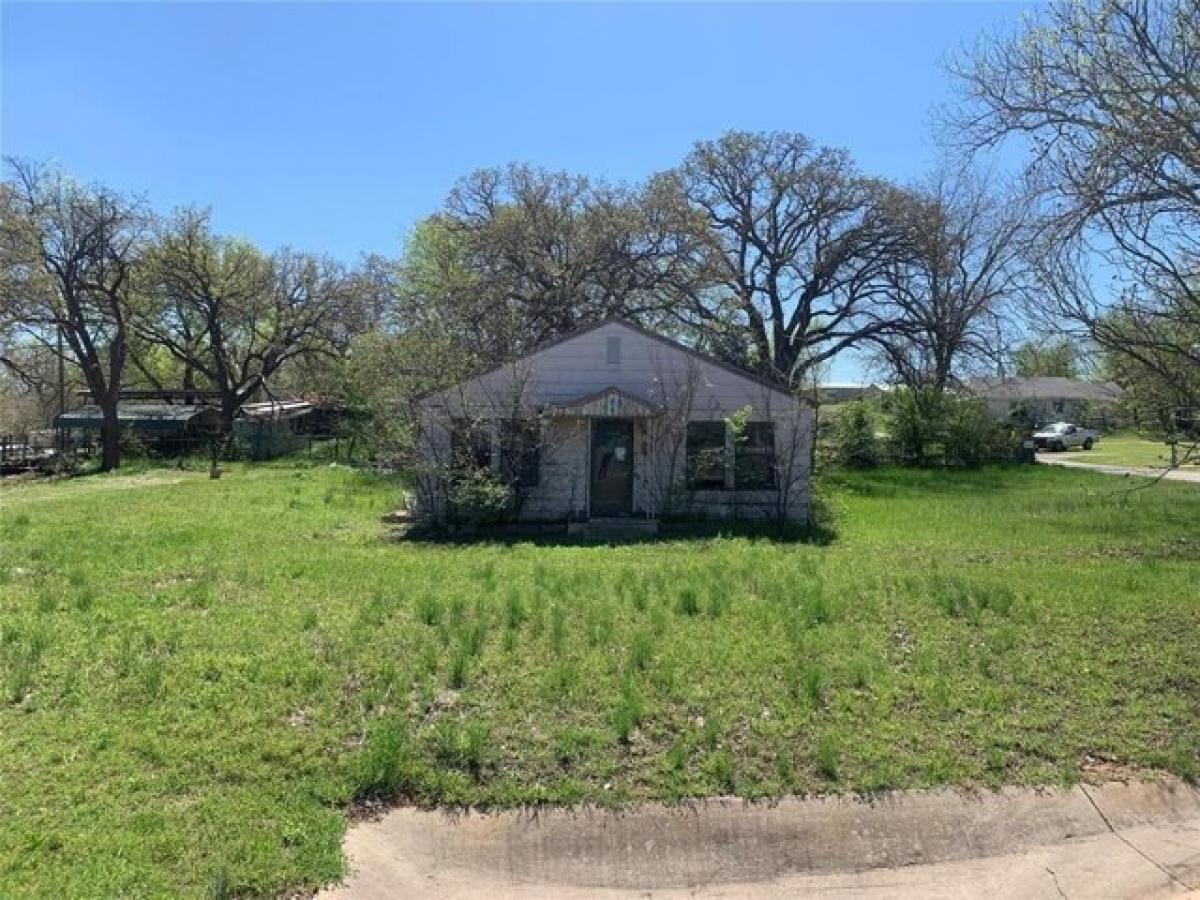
(1065, 436)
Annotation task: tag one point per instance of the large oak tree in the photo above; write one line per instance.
(789, 251)
(70, 254)
(233, 316)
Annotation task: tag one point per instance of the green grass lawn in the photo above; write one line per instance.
(198, 677)
(1124, 449)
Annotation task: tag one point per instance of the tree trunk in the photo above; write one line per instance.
(110, 437)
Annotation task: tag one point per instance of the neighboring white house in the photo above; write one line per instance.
(1045, 399)
(615, 421)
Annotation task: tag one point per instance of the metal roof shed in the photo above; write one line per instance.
(160, 418)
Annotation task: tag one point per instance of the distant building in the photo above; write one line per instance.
(1045, 399)
(844, 393)
(273, 428)
(165, 428)
(172, 422)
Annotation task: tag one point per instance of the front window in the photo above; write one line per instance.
(706, 455)
(520, 452)
(754, 457)
(470, 444)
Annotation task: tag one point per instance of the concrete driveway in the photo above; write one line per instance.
(1111, 841)
(1189, 474)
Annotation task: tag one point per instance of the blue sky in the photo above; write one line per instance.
(334, 127)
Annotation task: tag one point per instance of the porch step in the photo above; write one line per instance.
(607, 529)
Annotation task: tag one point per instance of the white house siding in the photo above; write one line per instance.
(665, 377)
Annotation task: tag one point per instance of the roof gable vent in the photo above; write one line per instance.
(612, 351)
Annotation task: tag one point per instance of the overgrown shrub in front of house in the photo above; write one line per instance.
(854, 436)
(477, 496)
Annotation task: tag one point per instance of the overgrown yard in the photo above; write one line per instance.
(199, 677)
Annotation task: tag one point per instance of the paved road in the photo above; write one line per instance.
(1138, 840)
(1190, 474)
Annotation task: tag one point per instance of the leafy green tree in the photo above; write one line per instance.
(1036, 359)
(854, 436)
(232, 316)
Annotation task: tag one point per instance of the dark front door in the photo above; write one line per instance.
(612, 467)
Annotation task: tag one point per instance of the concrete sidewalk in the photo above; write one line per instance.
(1114, 840)
(1189, 474)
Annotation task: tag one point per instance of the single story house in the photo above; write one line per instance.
(617, 422)
(1042, 400)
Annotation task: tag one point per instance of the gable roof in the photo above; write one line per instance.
(644, 332)
(1045, 388)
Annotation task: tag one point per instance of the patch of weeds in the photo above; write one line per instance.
(20, 655)
(1069, 774)
(677, 755)
(460, 745)
(201, 592)
(309, 619)
(628, 712)
(558, 628)
(459, 671)
(812, 684)
(718, 602)
(819, 610)
(998, 599)
(388, 764)
(84, 598)
(514, 611)
(375, 612)
(429, 610)
(17, 526)
(688, 602)
(151, 674)
(600, 626)
(641, 651)
(572, 744)
(720, 769)
(1183, 759)
(640, 598)
(562, 680)
(862, 671)
(785, 765)
(961, 600)
(472, 637)
(220, 887)
(828, 757)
